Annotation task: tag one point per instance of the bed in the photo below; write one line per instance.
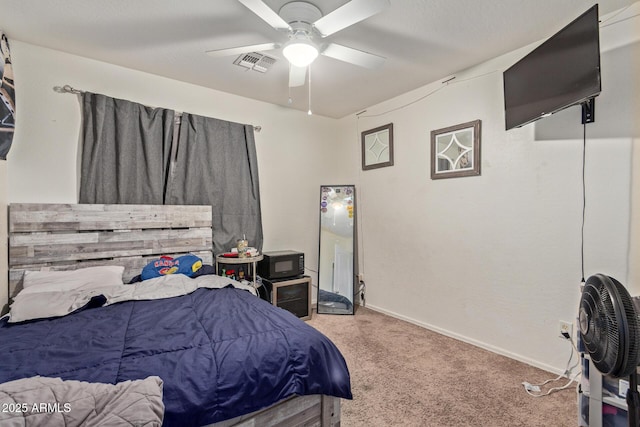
(224, 356)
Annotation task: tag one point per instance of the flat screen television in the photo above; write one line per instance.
(561, 72)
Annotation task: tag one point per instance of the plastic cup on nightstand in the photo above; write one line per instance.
(242, 247)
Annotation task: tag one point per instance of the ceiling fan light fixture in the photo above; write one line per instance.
(300, 53)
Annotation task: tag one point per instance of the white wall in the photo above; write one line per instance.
(634, 235)
(495, 259)
(296, 153)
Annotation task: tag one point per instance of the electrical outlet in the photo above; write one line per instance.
(565, 328)
(360, 277)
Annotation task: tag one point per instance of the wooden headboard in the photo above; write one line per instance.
(70, 236)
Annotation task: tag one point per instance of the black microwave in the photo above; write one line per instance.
(281, 264)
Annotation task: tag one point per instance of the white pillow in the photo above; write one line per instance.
(62, 281)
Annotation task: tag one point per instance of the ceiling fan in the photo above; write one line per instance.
(305, 27)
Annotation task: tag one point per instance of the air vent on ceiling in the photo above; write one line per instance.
(255, 61)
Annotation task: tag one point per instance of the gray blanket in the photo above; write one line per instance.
(44, 301)
(40, 401)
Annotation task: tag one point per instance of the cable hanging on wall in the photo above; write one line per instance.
(584, 198)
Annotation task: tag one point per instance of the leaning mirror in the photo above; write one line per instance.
(337, 249)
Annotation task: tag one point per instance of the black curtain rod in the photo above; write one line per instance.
(69, 89)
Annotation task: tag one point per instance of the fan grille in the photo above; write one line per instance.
(609, 326)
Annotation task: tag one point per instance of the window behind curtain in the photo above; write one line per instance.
(127, 158)
(126, 151)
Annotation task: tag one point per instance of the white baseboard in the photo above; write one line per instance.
(468, 340)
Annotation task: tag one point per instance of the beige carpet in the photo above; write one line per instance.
(405, 375)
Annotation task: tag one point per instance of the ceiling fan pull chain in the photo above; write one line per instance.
(309, 112)
(290, 101)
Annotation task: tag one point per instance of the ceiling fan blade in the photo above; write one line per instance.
(353, 56)
(267, 14)
(297, 76)
(348, 14)
(242, 49)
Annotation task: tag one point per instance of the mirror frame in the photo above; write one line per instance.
(474, 170)
(354, 248)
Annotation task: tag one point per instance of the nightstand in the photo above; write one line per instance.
(250, 261)
(292, 294)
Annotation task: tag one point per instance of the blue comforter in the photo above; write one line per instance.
(220, 352)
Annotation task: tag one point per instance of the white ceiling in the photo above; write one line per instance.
(423, 41)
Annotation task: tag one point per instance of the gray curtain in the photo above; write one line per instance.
(215, 163)
(126, 151)
(135, 154)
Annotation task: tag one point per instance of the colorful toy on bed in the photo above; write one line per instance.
(186, 264)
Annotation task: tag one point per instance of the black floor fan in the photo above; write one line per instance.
(610, 332)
